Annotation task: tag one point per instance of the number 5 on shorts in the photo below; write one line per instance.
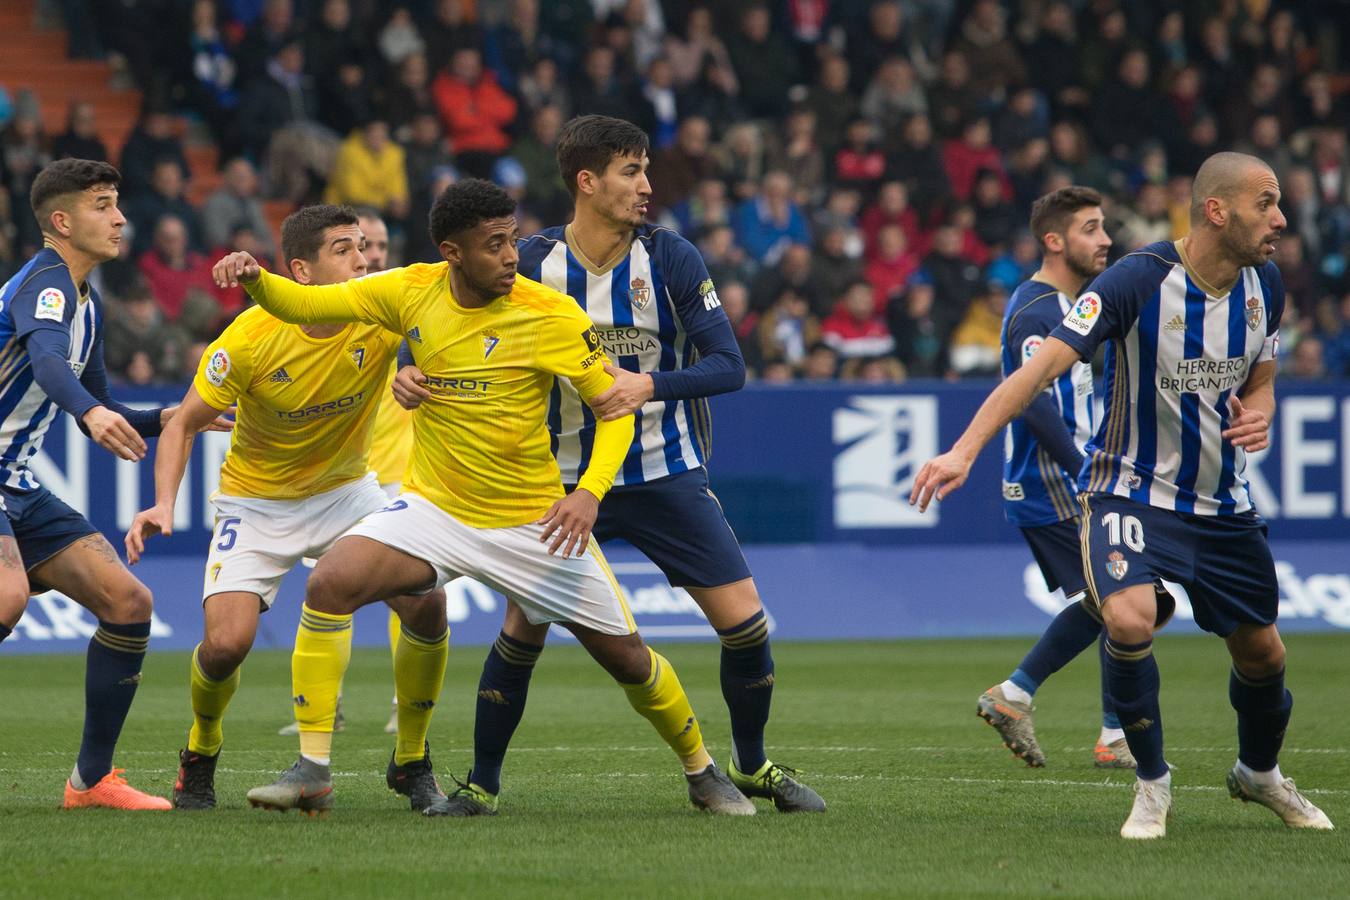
(228, 534)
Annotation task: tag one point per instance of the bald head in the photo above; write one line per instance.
(1223, 177)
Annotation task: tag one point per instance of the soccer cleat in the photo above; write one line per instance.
(1115, 755)
(112, 792)
(306, 786)
(339, 723)
(1283, 799)
(775, 782)
(195, 787)
(469, 800)
(415, 781)
(1012, 720)
(714, 791)
(1152, 806)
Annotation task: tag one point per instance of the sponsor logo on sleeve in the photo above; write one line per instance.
(1084, 314)
(1030, 346)
(218, 367)
(592, 339)
(709, 294)
(51, 304)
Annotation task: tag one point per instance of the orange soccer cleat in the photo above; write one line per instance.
(112, 792)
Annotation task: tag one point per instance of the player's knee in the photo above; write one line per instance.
(13, 601)
(331, 590)
(130, 601)
(1259, 654)
(1126, 624)
(425, 615)
(630, 663)
(220, 654)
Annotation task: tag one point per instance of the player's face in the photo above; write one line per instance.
(488, 256)
(1256, 221)
(96, 223)
(623, 190)
(1086, 242)
(340, 258)
(376, 247)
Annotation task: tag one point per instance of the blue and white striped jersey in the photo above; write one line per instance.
(41, 295)
(1036, 489)
(646, 308)
(1174, 358)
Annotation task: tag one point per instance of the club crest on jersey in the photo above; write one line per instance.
(1084, 313)
(215, 572)
(1116, 565)
(1253, 313)
(1030, 346)
(490, 341)
(51, 304)
(639, 294)
(218, 367)
(356, 352)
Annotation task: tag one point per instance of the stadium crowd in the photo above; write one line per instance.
(858, 175)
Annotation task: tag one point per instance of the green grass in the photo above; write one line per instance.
(923, 800)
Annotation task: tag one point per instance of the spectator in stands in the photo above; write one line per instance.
(334, 41)
(1126, 110)
(452, 28)
(1308, 363)
(855, 328)
(425, 153)
(80, 140)
(1147, 221)
(965, 157)
(917, 163)
(708, 208)
(278, 97)
(346, 97)
(1333, 329)
(786, 329)
(765, 63)
(892, 265)
(1053, 60)
(919, 340)
(821, 363)
(833, 103)
(1024, 119)
(139, 346)
(994, 60)
(1265, 140)
(859, 163)
(399, 38)
(677, 169)
(834, 267)
(167, 196)
(476, 112)
(744, 321)
(1071, 153)
(842, 208)
(24, 151)
(1302, 281)
(884, 369)
(801, 156)
(409, 96)
(235, 204)
(180, 279)
(513, 44)
(794, 272)
(893, 95)
(155, 137)
(266, 38)
(742, 160)
(716, 97)
(659, 92)
(541, 85)
(884, 36)
(698, 46)
(767, 223)
(956, 279)
(1018, 262)
(605, 88)
(215, 76)
(975, 350)
(891, 207)
(952, 100)
(545, 194)
(995, 216)
(369, 171)
(725, 260)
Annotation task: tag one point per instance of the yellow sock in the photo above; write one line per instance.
(419, 670)
(210, 698)
(323, 647)
(662, 701)
(395, 626)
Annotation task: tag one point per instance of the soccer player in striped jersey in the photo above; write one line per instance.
(1042, 457)
(659, 318)
(295, 479)
(1193, 331)
(51, 359)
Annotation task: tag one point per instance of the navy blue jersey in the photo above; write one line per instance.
(647, 308)
(1036, 489)
(1175, 355)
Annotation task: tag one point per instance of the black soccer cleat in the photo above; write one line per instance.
(416, 781)
(195, 787)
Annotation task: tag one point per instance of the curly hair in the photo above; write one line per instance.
(465, 204)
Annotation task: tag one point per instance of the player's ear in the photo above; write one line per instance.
(587, 181)
(300, 271)
(60, 222)
(450, 253)
(1054, 242)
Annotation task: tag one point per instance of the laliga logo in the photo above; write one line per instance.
(1087, 306)
(884, 439)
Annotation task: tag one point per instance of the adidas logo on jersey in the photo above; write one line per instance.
(1176, 324)
(280, 376)
(415, 334)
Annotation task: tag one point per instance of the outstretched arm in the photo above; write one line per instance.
(306, 304)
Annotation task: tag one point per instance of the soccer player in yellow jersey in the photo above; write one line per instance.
(294, 480)
(483, 497)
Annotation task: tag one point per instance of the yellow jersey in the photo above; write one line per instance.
(391, 449)
(306, 406)
(481, 447)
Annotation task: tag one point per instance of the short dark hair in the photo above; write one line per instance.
(302, 231)
(592, 142)
(464, 204)
(1053, 212)
(63, 178)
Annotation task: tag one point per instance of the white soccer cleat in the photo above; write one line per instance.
(1283, 799)
(1152, 806)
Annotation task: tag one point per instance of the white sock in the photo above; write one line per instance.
(1111, 735)
(1015, 693)
(76, 781)
(1271, 779)
(1165, 778)
(318, 760)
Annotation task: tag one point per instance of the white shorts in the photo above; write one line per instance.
(256, 542)
(577, 590)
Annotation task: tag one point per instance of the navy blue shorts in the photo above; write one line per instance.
(41, 524)
(677, 523)
(1223, 562)
(1059, 553)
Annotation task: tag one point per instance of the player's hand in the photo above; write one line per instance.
(234, 269)
(223, 422)
(625, 396)
(408, 389)
(570, 521)
(1248, 428)
(148, 522)
(939, 477)
(114, 433)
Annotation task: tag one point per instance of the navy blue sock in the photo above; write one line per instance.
(1132, 676)
(747, 687)
(502, 690)
(1067, 636)
(5, 631)
(112, 672)
(1263, 707)
(1109, 717)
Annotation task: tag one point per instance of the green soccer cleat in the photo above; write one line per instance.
(713, 791)
(1283, 799)
(195, 787)
(468, 800)
(1012, 720)
(776, 783)
(306, 786)
(416, 781)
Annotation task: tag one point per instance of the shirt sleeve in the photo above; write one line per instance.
(374, 298)
(42, 312)
(687, 282)
(1110, 305)
(226, 369)
(1028, 328)
(1274, 285)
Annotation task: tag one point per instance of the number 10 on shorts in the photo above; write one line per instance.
(1128, 527)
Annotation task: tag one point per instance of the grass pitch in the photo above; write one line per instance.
(923, 799)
